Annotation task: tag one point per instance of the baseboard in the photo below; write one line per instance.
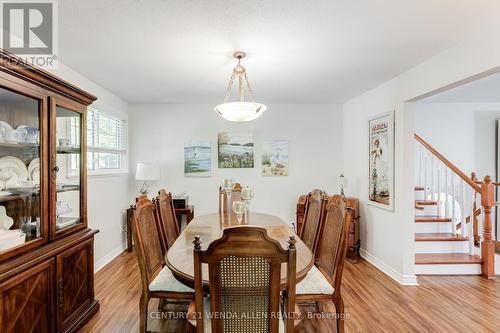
(405, 280)
(108, 257)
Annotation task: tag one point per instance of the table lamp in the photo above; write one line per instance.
(147, 172)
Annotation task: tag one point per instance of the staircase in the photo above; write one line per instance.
(451, 227)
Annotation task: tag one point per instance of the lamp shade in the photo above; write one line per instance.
(147, 171)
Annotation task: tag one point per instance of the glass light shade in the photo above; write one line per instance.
(247, 193)
(228, 184)
(240, 111)
(239, 207)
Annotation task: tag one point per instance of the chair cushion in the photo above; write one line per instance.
(314, 284)
(207, 327)
(165, 281)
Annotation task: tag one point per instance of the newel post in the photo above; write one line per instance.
(487, 245)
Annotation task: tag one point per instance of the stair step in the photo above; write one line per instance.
(431, 218)
(439, 237)
(426, 202)
(446, 258)
(419, 188)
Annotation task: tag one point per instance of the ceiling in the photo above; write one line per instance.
(166, 51)
(484, 90)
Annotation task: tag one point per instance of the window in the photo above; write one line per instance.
(106, 142)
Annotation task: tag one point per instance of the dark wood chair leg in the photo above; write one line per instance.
(143, 313)
(339, 310)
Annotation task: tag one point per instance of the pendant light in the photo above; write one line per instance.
(242, 110)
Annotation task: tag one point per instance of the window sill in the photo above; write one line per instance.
(103, 174)
(107, 174)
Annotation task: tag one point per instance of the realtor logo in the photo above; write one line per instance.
(29, 30)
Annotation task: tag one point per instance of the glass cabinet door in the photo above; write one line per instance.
(68, 169)
(22, 217)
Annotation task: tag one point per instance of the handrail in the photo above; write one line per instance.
(450, 165)
(477, 213)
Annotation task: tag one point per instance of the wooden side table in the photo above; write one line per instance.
(188, 211)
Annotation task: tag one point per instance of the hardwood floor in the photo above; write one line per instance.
(373, 302)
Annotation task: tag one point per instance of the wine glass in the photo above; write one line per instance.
(239, 208)
(247, 196)
(228, 186)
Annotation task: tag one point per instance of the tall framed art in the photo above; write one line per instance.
(381, 161)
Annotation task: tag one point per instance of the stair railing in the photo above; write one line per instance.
(457, 196)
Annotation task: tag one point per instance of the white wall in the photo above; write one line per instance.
(158, 134)
(387, 237)
(465, 133)
(107, 195)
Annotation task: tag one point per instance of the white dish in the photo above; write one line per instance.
(5, 221)
(63, 222)
(34, 170)
(11, 238)
(4, 193)
(4, 129)
(13, 171)
(28, 134)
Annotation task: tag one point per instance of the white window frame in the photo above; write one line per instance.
(121, 152)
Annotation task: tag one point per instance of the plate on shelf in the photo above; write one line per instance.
(34, 170)
(12, 171)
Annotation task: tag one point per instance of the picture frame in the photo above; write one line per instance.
(381, 158)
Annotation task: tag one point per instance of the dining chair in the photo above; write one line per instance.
(244, 270)
(313, 217)
(323, 281)
(157, 279)
(224, 203)
(169, 228)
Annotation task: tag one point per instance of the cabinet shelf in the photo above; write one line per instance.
(35, 192)
(19, 145)
(68, 150)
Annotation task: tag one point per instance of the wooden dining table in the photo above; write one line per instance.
(211, 226)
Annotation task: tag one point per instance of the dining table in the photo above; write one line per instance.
(211, 227)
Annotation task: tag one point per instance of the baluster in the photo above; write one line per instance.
(432, 177)
(453, 200)
(446, 191)
(420, 165)
(438, 189)
(425, 176)
(462, 207)
(471, 227)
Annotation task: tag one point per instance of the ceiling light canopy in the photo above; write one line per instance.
(242, 110)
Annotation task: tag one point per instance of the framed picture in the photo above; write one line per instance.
(235, 150)
(381, 161)
(275, 158)
(197, 159)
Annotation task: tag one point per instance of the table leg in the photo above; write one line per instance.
(129, 232)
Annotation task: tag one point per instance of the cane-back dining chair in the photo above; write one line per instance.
(168, 221)
(323, 281)
(224, 202)
(315, 204)
(244, 270)
(157, 279)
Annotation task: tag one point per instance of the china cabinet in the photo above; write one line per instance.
(46, 247)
